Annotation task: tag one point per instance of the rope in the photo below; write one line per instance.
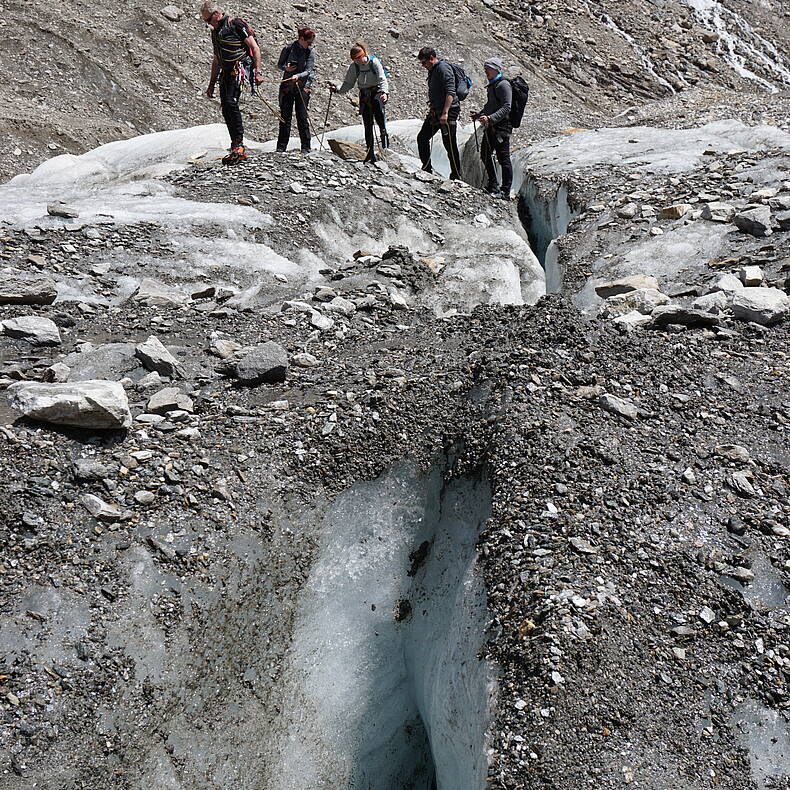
(326, 119)
(307, 115)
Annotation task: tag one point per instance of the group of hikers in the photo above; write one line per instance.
(237, 64)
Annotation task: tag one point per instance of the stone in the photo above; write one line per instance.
(626, 285)
(168, 399)
(783, 220)
(60, 209)
(27, 290)
(144, 497)
(57, 372)
(761, 305)
(267, 363)
(341, 305)
(156, 357)
(225, 349)
(727, 283)
(751, 275)
(156, 294)
(347, 150)
(717, 211)
(100, 509)
(733, 452)
(83, 404)
(628, 211)
(320, 321)
(632, 320)
(398, 300)
(34, 329)
(89, 469)
(305, 360)
(675, 212)
(682, 316)
(150, 381)
(645, 300)
(110, 361)
(172, 13)
(715, 303)
(754, 221)
(612, 403)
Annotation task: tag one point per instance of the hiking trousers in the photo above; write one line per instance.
(229, 95)
(294, 97)
(430, 126)
(497, 141)
(371, 108)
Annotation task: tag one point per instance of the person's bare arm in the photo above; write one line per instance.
(213, 79)
(255, 51)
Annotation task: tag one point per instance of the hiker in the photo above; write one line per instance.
(443, 111)
(495, 120)
(367, 72)
(237, 62)
(297, 62)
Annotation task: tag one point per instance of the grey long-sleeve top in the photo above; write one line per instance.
(371, 75)
(497, 106)
(305, 63)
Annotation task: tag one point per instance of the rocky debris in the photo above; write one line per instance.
(100, 509)
(27, 290)
(626, 284)
(615, 405)
(266, 363)
(156, 294)
(60, 209)
(347, 150)
(718, 211)
(762, 305)
(756, 221)
(34, 329)
(84, 404)
(716, 303)
(643, 300)
(172, 13)
(169, 399)
(90, 469)
(156, 358)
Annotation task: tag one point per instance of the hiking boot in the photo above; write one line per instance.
(237, 154)
(496, 194)
(492, 189)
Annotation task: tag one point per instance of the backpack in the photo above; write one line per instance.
(376, 57)
(519, 100)
(463, 83)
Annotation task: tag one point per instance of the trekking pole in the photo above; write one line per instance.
(326, 120)
(477, 142)
(274, 112)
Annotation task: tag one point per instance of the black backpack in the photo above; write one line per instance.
(519, 100)
(462, 82)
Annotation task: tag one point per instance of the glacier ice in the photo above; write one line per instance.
(385, 688)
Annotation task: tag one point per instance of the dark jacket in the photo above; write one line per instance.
(305, 63)
(228, 40)
(441, 81)
(497, 106)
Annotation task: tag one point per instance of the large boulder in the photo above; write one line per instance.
(625, 285)
(347, 150)
(83, 404)
(155, 357)
(27, 290)
(34, 329)
(267, 363)
(754, 221)
(761, 305)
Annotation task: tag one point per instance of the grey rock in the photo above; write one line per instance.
(761, 305)
(715, 303)
(89, 469)
(57, 372)
(783, 220)
(156, 357)
(172, 13)
(111, 361)
(341, 305)
(628, 211)
(144, 497)
(617, 405)
(156, 294)
(645, 300)
(320, 321)
(734, 452)
(168, 399)
(83, 404)
(751, 276)
(682, 316)
(34, 329)
(60, 209)
(267, 363)
(728, 283)
(100, 509)
(305, 360)
(754, 221)
(626, 285)
(718, 212)
(27, 290)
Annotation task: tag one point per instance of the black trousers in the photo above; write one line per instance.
(290, 97)
(371, 108)
(497, 142)
(229, 95)
(430, 126)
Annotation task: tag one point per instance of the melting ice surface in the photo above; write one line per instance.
(386, 688)
(225, 244)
